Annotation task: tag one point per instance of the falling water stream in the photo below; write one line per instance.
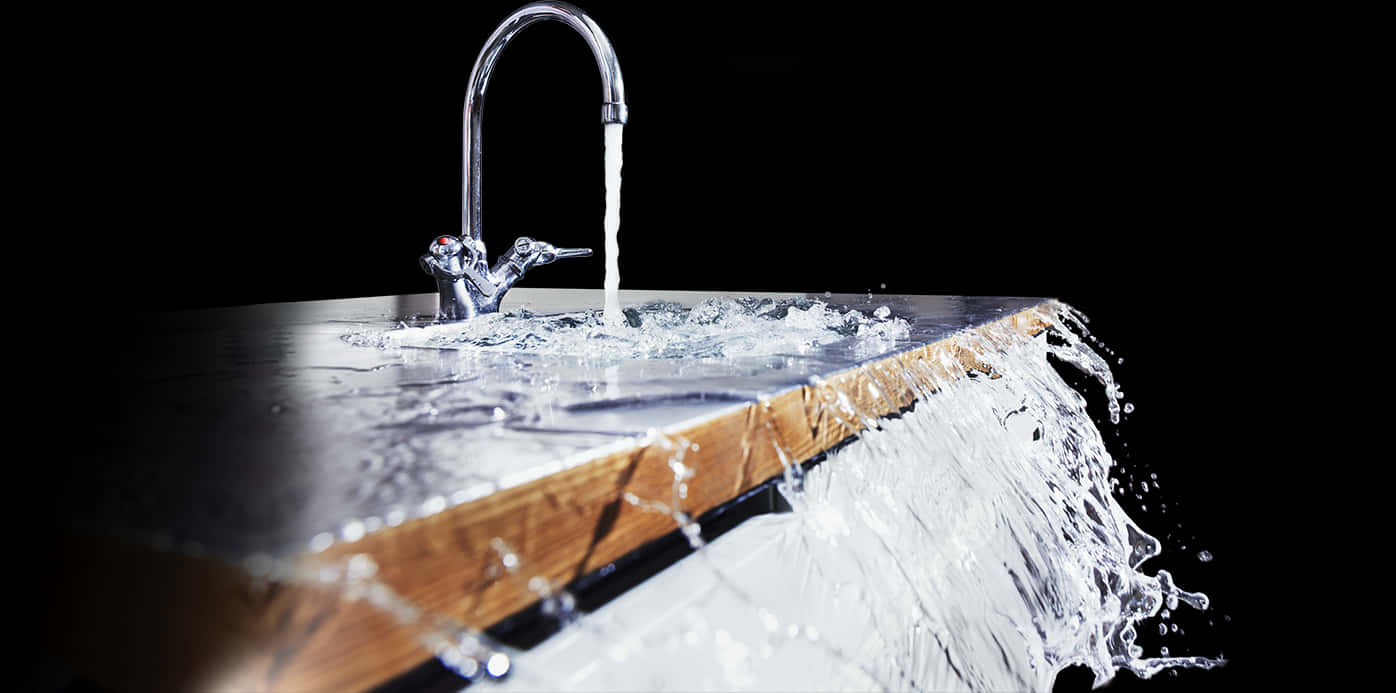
(613, 162)
(970, 541)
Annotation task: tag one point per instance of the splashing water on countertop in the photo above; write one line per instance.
(714, 329)
(972, 542)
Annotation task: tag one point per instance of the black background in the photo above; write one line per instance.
(1121, 163)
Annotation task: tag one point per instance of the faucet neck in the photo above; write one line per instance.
(613, 109)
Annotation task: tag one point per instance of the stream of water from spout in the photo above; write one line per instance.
(613, 163)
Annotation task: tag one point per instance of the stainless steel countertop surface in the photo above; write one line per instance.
(257, 429)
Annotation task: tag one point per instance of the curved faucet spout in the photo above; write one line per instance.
(468, 286)
(613, 108)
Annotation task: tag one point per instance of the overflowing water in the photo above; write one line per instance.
(613, 163)
(719, 327)
(968, 537)
(970, 541)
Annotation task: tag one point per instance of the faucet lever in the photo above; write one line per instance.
(546, 252)
(572, 252)
(527, 253)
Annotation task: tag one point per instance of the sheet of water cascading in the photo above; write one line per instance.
(969, 542)
(330, 428)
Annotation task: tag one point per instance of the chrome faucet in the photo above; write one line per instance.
(467, 285)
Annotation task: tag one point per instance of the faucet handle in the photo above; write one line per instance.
(562, 253)
(528, 253)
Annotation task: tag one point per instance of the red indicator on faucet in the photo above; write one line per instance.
(443, 240)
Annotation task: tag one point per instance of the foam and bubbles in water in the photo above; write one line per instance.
(969, 542)
(717, 327)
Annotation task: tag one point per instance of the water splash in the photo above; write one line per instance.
(972, 541)
(721, 327)
(969, 542)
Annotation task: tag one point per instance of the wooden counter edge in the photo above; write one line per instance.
(135, 618)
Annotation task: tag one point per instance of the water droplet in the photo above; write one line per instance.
(352, 530)
(768, 620)
(1129, 407)
(468, 667)
(321, 541)
(361, 567)
(497, 665)
(434, 505)
(1204, 556)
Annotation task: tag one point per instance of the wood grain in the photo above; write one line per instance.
(142, 619)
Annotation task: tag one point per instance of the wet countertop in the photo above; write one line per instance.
(269, 428)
